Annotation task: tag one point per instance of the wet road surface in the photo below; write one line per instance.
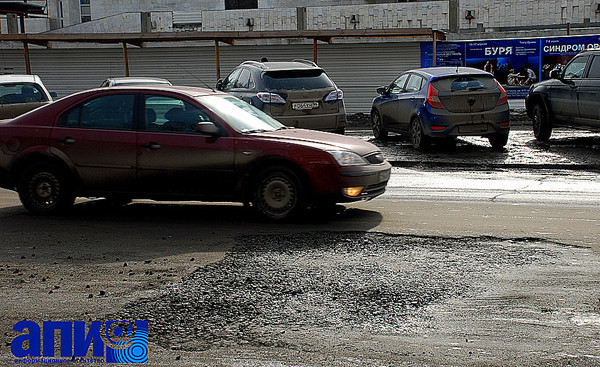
(567, 149)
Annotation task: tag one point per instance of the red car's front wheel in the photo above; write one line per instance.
(278, 194)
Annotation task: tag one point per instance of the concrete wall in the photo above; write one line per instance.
(431, 14)
(264, 20)
(489, 16)
(102, 8)
(519, 13)
(122, 23)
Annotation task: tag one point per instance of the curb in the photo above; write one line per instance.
(487, 166)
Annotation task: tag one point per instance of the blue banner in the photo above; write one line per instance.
(515, 63)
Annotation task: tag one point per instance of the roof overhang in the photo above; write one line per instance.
(227, 37)
(21, 8)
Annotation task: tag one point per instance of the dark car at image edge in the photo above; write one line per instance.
(570, 99)
(180, 143)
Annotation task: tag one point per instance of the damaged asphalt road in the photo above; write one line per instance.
(370, 298)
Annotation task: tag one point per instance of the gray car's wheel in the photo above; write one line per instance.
(278, 194)
(379, 132)
(498, 141)
(542, 127)
(417, 136)
(45, 189)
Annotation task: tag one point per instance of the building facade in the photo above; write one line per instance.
(460, 18)
(357, 66)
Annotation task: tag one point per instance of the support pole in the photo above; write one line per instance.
(126, 59)
(218, 59)
(434, 47)
(27, 59)
(315, 50)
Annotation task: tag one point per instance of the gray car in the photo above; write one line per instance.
(570, 99)
(297, 93)
(130, 80)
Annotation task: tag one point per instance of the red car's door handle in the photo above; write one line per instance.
(67, 140)
(151, 146)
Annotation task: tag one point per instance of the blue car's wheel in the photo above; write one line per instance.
(417, 137)
(379, 132)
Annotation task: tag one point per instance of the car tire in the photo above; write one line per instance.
(498, 141)
(417, 136)
(542, 127)
(278, 194)
(379, 132)
(45, 189)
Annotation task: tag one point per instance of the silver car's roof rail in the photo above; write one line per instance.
(304, 61)
(255, 63)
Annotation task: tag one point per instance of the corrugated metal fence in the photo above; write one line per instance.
(358, 69)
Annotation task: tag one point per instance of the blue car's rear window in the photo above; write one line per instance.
(467, 84)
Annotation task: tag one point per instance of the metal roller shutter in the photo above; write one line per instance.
(357, 68)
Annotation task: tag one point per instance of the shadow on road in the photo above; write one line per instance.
(95, 232)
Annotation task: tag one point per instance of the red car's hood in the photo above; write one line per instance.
(322, 140)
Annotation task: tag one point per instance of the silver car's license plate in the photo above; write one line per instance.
(305, 105)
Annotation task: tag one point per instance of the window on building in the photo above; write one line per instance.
(86, 11)
(241, 4)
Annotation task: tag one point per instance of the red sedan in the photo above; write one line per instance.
(179, 143)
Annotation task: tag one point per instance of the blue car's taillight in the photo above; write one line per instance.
(433, 97)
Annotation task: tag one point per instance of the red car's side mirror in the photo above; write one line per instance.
(207, 128)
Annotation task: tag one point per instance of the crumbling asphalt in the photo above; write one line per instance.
(270, 289)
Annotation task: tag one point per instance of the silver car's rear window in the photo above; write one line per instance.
(21, 93)
(296, 79)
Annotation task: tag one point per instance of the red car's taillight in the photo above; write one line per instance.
(433, 97)
(503, 96)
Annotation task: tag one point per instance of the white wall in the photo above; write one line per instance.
(515, 13)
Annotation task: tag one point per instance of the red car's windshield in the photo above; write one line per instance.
(240, 115)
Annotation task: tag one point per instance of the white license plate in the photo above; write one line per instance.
(305, 105)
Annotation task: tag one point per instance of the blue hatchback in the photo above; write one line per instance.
(441, 103)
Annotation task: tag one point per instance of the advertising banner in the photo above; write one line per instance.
(556, 52)
(515, 63)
